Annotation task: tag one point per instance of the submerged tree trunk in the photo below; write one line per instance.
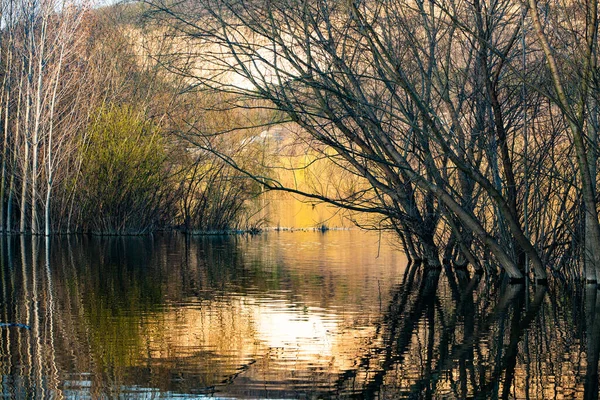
(36, 127)
(575, 115)
(49, 153)
(25, 175)
(591, 274)
(26, 134)
(6, 95)
(11, 189)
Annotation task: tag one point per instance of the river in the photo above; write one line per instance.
(281, 315)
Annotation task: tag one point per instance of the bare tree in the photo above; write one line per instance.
(573, 107)
(421, 99)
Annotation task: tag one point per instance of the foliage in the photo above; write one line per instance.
(215, 198)
(125, 184)
(75, 155)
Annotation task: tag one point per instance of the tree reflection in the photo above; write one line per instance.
(116, 317)
(469, 346)
(592, 319)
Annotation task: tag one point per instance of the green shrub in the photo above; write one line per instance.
(124, 179)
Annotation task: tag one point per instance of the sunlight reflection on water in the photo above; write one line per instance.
(280, 315)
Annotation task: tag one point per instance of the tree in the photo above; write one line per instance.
(574, 108)
(421, 99)
(125, 182)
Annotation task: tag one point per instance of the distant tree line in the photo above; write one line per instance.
(474, 125)
(85, 142)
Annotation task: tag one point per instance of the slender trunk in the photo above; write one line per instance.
(590, 267)
(25, 174)
(5, 143)
(11, 190)
(36, 131)
(9, 204)
(47, 222)
(589, 250)
(22, 224)
(47, 228)
(525, 133)
(49, 160)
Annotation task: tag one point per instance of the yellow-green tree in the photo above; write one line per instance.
(124, 176)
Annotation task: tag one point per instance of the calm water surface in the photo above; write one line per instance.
(280, 315)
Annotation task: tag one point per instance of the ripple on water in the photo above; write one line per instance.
(287, 315)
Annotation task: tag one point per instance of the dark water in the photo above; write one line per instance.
(281, 315)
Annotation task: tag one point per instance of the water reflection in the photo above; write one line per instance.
(288, 315)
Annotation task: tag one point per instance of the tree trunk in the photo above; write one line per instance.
(36, 130)
(6, 92)
(592, 245)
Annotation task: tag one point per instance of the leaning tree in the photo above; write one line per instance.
(445, 110)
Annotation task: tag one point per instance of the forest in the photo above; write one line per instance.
(91, 131)
(469, 129)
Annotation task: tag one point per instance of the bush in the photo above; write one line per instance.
(124, 176)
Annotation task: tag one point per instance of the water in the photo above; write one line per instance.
(280, 315)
